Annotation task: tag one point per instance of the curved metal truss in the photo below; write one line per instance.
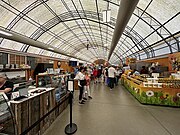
(138, 40)
(91, 17)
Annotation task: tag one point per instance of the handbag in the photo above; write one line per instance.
(83, 82)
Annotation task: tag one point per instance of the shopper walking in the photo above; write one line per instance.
(118, 73)
(95, 72)
(87, 90)
(99, 73)
(81, 83)
(106, 76)
(111, 76)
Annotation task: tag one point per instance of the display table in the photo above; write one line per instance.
(155, 95)
(29, 110)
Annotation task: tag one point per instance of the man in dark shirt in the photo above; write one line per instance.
(144, 70)
(5, 85)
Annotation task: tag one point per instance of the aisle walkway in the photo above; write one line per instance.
(117, 112)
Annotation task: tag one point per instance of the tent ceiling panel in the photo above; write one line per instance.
(170, 25)
(46, 53)
(34, 50)
(58, 28)
(132, 20)
(6, 15)
(54, 43)
(11, 44)
(19, 4)
(166, 7)
(72, 24)
(90, 5)
(57, 6)
(143, 4)
(114, 10)
(40, 14)
(45, 37)
(24, 28)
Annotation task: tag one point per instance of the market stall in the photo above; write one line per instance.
(155, 91)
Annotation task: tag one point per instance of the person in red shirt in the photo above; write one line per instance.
(95, 72)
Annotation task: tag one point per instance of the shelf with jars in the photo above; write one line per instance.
(155, 91)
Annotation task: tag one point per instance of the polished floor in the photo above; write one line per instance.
(117, 112)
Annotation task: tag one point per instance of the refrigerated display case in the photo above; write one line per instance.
(57, 81)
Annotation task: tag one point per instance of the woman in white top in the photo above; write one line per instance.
(80, 77)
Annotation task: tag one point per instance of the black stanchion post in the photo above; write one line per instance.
(71, 128)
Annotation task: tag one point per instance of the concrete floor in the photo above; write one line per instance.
(117, 112)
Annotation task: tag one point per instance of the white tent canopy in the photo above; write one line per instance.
(71, 25)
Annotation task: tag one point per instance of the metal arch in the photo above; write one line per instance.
(66, 29)
(93, 27)
(106, 47)
(33, 22)
(72, 14)
(84, 23)
(174, 35)
(131, 29)
(160, 31)
(39, 31)
(98, 45)
(162, 25)
(22, 14)
(140, 38)
(135, 41)
(104, 0)
(155, 30)
(54, 21)
(156, 21)
(76, 28)
(102, 47)
(44, 29)
(69, 11)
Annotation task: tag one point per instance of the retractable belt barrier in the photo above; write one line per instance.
(42, 118)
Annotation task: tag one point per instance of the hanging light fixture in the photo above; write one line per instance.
(106, 15)
(87, 44)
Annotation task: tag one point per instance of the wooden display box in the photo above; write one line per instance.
(153, 95)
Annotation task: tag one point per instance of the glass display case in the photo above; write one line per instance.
(57, 81)
(7, 124)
